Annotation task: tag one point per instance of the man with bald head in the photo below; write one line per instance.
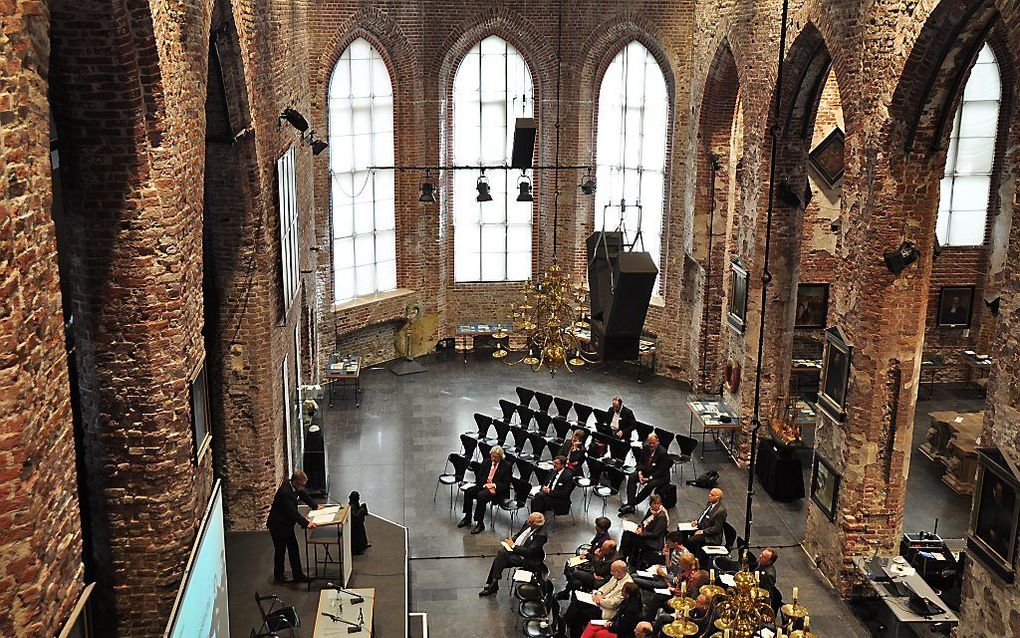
(607, 599)
(652, 471)
(523, 550)
(710, 525)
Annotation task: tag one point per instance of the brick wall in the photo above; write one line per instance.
(41, 572)
(422, 54)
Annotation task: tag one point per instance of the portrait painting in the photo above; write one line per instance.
(955, 306)
(812, 305)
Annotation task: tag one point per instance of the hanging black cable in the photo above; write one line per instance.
(714, 166)
(556, 173)
(766, 276)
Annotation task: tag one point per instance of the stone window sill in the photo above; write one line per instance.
(360, 302)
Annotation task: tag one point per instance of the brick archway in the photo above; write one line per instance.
(715, 197)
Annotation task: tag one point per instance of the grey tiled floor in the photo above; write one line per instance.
(393, 447)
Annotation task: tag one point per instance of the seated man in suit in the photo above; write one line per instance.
(555, 494)
(653, 465)
(525, 550)
(592, 574)
(710, 525)
(492, 484)
(621, 419)
(607, 599)
(667, 575)
(573, 450)
(649, 534)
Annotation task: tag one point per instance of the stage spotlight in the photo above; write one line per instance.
(524, 186)
(897, 260)
(295, 119)
(588, 185)
(936, 250)
(785, 194)
(483, 189)
(318, 146)
(428, 190)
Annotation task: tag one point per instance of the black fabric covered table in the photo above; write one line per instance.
(780, 471)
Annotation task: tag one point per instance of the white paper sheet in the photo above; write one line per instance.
(629, 526)
(584, 597)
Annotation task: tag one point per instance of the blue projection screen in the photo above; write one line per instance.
(201, 609)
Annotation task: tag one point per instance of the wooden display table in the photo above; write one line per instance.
(978, 368)
(715, 417)
(344, 370)
(952, 442)
(474, 329)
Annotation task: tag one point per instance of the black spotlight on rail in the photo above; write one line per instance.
(524, 186)
(588, 185)
(483, 189)
(897, 260)
(295, 119)
(317, 145)
(428, 190)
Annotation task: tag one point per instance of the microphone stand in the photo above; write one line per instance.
(355, 598)
(352, 627)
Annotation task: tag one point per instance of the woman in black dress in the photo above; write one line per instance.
(358, 514)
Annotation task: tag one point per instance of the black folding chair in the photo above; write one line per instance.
(525, 469)
(595, 470)
(582, 412)
(643, 430)
(544, 401)
(601, 417)
(520, 437)
(279, 617)
(483, 423)
(562, 429)
(563, 406)
(524, 395)
(460, 465)
(508, 408)
(525, 414)
(542, 423)
(521, 489)
(538, 444)
(665, 438)
(470, 444)
(687, 446)
(502, 430)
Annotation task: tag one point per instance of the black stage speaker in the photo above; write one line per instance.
(618, 337)
(523, 153)
(315, 462)
(603, 249)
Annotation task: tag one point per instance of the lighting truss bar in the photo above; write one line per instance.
(479, 167)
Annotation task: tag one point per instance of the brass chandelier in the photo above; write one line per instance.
(741, 611)
(547, 320)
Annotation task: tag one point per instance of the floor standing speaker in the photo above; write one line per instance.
(620, 334)
(603, 249)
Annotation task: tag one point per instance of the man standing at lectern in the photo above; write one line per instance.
(283, 515)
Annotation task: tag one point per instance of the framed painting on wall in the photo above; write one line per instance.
(827, 157)
(812, 305)
(737, 313)
(825, 486)
(956, 304)
(995, 514)
(835, 373)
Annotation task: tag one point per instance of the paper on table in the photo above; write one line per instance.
(686, 527)
(958, 419)
(663, 591)
(574, 561)
(629, 526)
(600, 622)
(584, 597)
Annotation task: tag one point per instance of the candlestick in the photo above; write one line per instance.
(711, 577)
(796, 590)
(683, 588)
(807, 623)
